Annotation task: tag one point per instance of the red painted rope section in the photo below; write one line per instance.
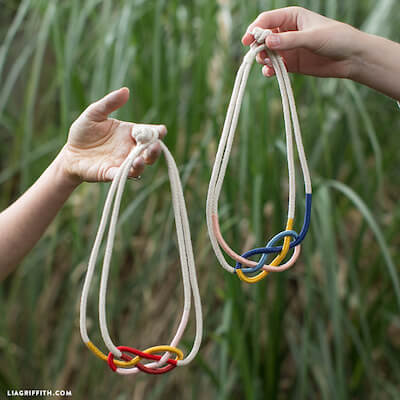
(157, 371)
(141, 354)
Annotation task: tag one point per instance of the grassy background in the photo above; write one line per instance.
(327, 329)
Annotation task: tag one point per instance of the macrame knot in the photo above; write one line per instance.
(145, 134)
(260, 34)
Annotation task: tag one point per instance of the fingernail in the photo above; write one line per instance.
(265, 72)
(268, 62)
(273, 40)
(162, 130)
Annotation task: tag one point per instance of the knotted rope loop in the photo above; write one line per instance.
(267, 248)
(260, 35)
(221, 163)
(146, 354)
(144, 135)
(258, 45)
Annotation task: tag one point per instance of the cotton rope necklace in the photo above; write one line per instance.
(244, 267)
(126, 364)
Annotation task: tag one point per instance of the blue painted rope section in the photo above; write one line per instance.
(269, 245)
(277, 249)
(306, 223)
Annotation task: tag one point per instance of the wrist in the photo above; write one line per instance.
(376, 63)
(61, 173)
(358, 57)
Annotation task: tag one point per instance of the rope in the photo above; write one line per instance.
(144, 136)
(221, 163)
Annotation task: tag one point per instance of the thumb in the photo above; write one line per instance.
(289, 40)
(100, 110)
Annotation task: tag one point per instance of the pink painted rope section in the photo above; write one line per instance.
(245, 261)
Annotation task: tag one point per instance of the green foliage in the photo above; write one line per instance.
(327, 329)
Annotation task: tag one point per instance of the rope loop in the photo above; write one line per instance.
(260, 34)
(146, 354)
(144, 135)
(292, 128)
(268, 249)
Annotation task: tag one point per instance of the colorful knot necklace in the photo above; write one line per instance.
(244, 267)
(128, 360)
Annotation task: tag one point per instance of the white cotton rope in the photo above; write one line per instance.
(145, 136)
(228, 134)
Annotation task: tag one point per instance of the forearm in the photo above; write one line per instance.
(377, 64)
(24, 222)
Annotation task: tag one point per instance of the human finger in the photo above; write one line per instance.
(99, 110)
(261, 56)
(263, 59)
(151, 154)
(282, 17)
(137, 167)
(290, 40)
(267, 71)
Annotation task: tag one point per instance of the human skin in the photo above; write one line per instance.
(96, 147)
(312, 44)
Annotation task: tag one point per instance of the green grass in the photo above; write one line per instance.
(327, 329)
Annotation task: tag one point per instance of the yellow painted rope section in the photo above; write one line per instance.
(275, 262)
(151, 350)
(135, 360)
(96, 351)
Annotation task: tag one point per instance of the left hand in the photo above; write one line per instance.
(97, 145)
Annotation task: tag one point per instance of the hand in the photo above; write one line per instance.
(97, 145)
(308, 42)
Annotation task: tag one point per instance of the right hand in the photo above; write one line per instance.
(308, 42)
(97, 144)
